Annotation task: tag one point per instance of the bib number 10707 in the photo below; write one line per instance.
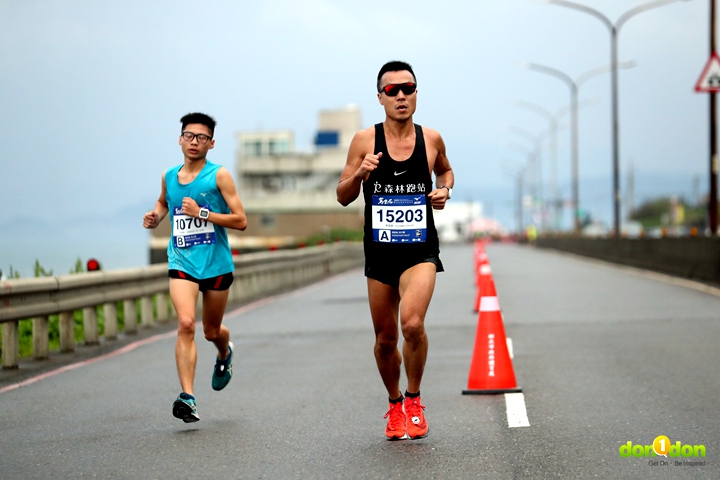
(190, 231)
(399, 218)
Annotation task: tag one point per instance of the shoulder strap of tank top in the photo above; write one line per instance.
(380, 145)
(172, 173)
(420, 142)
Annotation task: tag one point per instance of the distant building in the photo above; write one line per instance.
(458, 221)
(291, 194)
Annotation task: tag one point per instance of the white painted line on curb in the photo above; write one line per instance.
(516, 411)
(508, 340)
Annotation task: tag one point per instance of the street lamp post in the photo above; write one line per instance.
(518, 177)
(713, 200)
(552, 133)
(535, 156)
(534, 159)
(530, 159)
(614, 29)
(574, 86)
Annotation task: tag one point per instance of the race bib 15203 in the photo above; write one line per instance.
(399, 218)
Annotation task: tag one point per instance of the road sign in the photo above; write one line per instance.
(709, 80)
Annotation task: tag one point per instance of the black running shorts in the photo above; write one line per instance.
(389, 273)
(221, 282)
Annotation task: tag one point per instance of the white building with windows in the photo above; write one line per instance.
(292, 194)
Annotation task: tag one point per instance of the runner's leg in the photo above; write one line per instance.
(416, 288)
(214, 303)
(184, 295)
(384, 301)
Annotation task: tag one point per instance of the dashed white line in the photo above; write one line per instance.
(516, 411)
(515, 402)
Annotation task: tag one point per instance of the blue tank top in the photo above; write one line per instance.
(197, 247)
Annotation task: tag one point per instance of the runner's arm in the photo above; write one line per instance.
(444, 176)
(153, 219)
(236, 219)
(358, 167)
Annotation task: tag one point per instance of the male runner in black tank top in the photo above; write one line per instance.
(392, 163)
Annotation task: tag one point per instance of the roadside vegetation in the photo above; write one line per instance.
(25, 340)
(669, 211)
(333, 235)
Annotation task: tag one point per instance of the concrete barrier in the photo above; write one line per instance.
(256, 275)
(693, 258)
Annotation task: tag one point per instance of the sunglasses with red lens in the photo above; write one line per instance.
(392, 89)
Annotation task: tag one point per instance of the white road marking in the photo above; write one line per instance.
(515, 402)
(516, 411)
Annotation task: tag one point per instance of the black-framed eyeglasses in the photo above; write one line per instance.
(189, 137)
(392, 89)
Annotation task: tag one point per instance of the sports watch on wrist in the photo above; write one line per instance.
(204, 213)
(449, 191)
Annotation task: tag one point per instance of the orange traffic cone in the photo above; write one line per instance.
(483, 280)
(491, 370)
(480, 258)
(480, 254)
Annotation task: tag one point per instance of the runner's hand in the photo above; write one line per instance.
(190, 207)
(151, 220)
(438, 197)
(369, 163)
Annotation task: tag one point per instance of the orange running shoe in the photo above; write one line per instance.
(396, 428)
(417, 426)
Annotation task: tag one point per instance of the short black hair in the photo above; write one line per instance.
(394, 66)
(200, 118)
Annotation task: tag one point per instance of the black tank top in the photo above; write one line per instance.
(398, 215)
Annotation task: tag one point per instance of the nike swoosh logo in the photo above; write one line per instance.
(396, 173)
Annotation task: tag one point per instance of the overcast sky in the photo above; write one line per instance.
(91, 92)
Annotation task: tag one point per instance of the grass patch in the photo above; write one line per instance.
(25, 338)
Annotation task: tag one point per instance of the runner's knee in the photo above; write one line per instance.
(386, 344)
(413, 328)
(186, 325)
(212, 333)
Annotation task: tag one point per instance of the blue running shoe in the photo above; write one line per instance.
(185, 408)
(223, 370)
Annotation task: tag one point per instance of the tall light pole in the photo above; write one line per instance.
(552, 133)
(518, 176)
(536, 156)
(713, 200)
(574, 86)
(533, 166)
(614, 29)
(530, 158)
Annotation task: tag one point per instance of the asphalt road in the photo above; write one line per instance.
(604, 357)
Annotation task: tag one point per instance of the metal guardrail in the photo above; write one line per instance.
(256, 275)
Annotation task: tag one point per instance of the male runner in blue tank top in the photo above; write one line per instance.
(392, 162)
(202, 201)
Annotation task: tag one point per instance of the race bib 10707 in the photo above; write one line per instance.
(190, 231)
(399, 218)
